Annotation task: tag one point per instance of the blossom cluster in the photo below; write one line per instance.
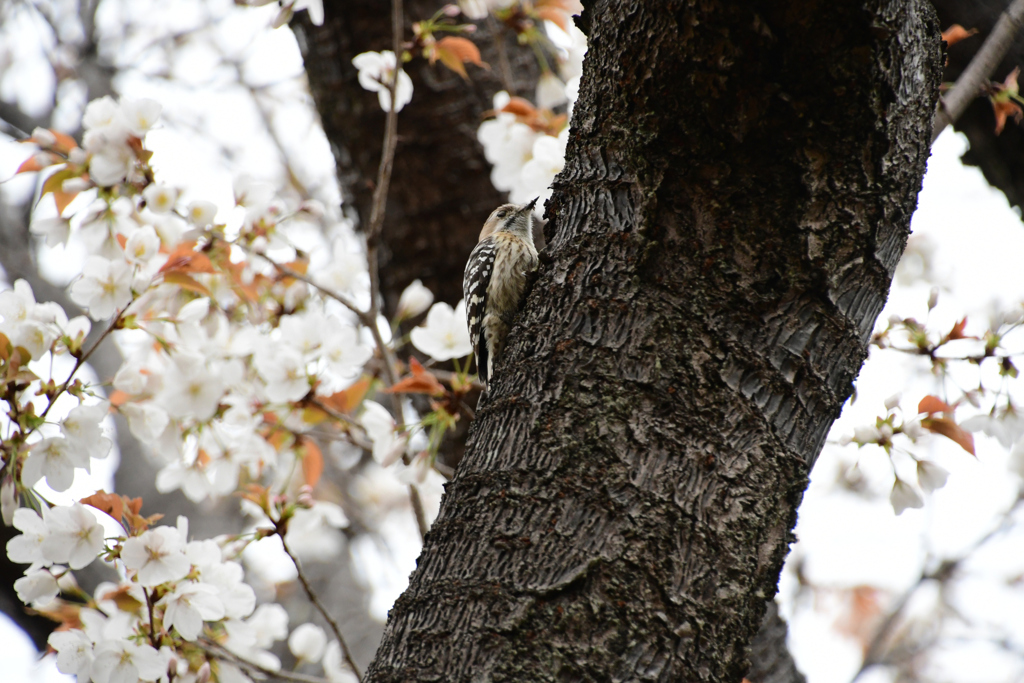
(237, 357)
(525, 145)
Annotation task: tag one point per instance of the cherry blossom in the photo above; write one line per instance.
(307, 642)
(37, 587)
(142, 245)
(75, 537)
(201, 213)
(82, 429)
(414, 300)
(376, 72)
(903, 496)
(160, 198)
(74, 652)
(550, 91)
(388, 445)
(189, 606)
(104, 288)
(445, 334)
(121, 661)
(27, 547)
(270, 622)
(156, 556)
(930, 476)
(284, 371)
(55, 459)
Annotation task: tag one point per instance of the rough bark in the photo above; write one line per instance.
(998, 156)
(738, 189)
(440, 190)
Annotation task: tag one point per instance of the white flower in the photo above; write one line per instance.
(445, 334)
(307, 642)
(201, 213)
(903, 496)
(100, 113)
(414, 300)
(376, 71)
(146, 421)
(142, 245)
(1007, 426)
(140, 115)
(270, 623)
(156, 556)
(8, 500)
(121, 661)
(388, 446)
(55, 230)
(550, 91)
(189, 606)
(342, 349)
(75, 537)
(238, 597)
(192, 390)
(82, 429)
(312, 533)
(37, 587)
(866, 434)
(160, 198)
(16, 304)
(74, 652)
(111, 164)
(27, 547)
(284, 371)
(893, 401)
(547, 162)
(55, 459)
(930, 476)
(913, 429)
(105, 287)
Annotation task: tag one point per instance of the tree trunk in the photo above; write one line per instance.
(441, 191)
(737, 192)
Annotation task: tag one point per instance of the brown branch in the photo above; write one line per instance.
(220, 652)
(980, 70)
(346, 653)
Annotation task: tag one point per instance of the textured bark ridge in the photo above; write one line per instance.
(441, 190)
(737, 193)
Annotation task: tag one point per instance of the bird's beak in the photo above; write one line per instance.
(529, 207)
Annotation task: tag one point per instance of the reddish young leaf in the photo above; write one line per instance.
(109, 503)
(958, 330)
(951, 430)
(421, 382)
(118, 398)
(347, 400)
(955, 33)
(186, 282)
(186, 259)
(312, 461)
(933, 404)
(520, 107)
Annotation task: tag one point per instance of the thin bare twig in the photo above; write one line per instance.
(219, 652)
(417, 508)
(346, 653)
(980, 70)
(875, 650)
(504, 68)
(81, 360)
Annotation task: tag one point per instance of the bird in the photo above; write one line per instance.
(498, 275)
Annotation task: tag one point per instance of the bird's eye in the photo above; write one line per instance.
(502, 213)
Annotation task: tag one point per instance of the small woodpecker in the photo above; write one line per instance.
(498, 274)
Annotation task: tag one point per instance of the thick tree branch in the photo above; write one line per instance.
(981, 68)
